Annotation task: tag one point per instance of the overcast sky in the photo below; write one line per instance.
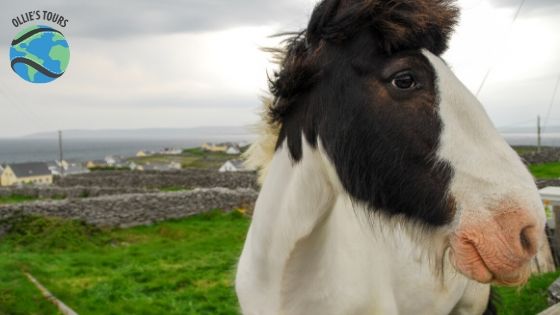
(189, 63)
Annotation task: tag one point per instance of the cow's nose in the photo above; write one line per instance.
(498, 248)
(520, 232)
(529, 240)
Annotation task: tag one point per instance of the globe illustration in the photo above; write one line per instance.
(39, 54)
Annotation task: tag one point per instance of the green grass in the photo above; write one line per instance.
(161, 159)
(208, 160)
(200, 152)
(546, 170)
(20, 199)
(176, 267)
(18, 296)
(173, 189)
(195, 151)
(191, 158)
(530, 299)
(16, 199)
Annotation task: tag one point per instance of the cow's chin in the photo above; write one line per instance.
(468, 261)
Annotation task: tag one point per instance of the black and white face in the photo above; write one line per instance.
(407, 139)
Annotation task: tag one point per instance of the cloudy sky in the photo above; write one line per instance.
(189, 63)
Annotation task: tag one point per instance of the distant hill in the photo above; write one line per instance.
(529, 129)
(155, 133)
(206, 132)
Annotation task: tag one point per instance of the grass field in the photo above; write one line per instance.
(21, 199)
(540, 171)
(16, 199)
(175, 267)
(530, 299)
(190, 158)
(546, 170)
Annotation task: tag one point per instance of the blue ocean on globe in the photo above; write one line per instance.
(48, 49)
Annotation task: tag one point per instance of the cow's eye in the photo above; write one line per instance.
(404, 81)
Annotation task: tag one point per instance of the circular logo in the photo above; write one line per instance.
(39, 54)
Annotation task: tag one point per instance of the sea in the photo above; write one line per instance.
(530, 139)
(32, 150)
(38, 150)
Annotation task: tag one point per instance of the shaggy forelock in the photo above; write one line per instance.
(398, 24)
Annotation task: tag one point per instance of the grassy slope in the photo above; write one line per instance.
(15, 199)
(191, 158)
(540, 171)
(176, 267)
(530, 299)
(17, 295)
(546, 171)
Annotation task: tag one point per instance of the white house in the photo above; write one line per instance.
(75, 169)
(54, 167)
(175, 165)
(70, 167)
(233, 166)
(233, 150)
(133, 166)
(112, 160)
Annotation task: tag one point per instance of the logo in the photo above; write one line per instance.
(39, 53)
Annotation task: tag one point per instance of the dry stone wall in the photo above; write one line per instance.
(56, 192)
(127, 210)
(546, 155)
(189, 179)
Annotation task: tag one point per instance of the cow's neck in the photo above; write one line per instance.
(310, 247)
(295, 198)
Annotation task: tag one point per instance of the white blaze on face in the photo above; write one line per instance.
(499, 214)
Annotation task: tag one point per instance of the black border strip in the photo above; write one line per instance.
(33, 32)
(36, 66)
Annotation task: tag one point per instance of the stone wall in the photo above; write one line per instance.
(189, 179)
(546, 155)
(56, 192)
(129, 210)
(547, 182)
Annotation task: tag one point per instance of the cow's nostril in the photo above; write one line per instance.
(525, 238)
